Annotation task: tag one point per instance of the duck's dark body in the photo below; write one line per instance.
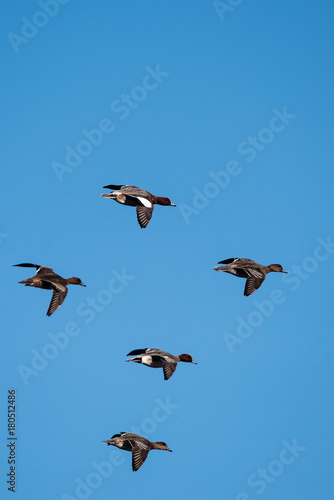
(246, 268)
(155, 358)
(48, 280)
(138, 445)
(136, 197)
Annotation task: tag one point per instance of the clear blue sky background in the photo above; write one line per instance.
(258, 389)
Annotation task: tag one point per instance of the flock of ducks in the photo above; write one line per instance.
(47, 279)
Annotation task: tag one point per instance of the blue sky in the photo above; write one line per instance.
(227, 109)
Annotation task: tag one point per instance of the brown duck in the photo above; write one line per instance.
(247, 268)
(139, 198)
(138, 445)
(47, 279)
(155, 358)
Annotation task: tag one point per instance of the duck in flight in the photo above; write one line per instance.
(47, 279)
(247, 268)
(159, 359)
(139, 198)
(138, 445)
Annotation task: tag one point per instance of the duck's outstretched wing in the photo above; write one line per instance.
(144, 215)
(168, 369)
(139, 455)
(228, 261)
(148, 350)
(252, 284)
(36, 266)
(58, 296)
(115, 186)
(237, 260)
(136, 352)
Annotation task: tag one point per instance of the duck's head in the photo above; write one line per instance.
(277, 268)
(187, 358)
(161, 200)
(160, 445)
(75, 281)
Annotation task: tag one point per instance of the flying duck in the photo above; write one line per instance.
(138, 445)
(47, 279)
(247, 268)
(139, 198)
(155, 358)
